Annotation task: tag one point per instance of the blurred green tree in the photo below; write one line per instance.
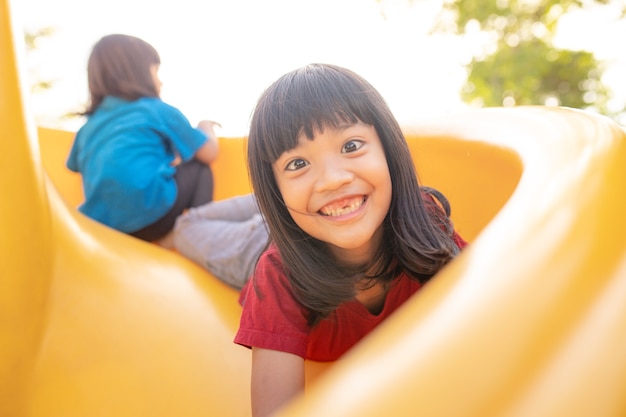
(524, 66)
(519, 63)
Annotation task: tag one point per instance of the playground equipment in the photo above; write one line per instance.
(530, 320)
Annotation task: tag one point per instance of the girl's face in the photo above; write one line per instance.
(337, 188)
(154, 70)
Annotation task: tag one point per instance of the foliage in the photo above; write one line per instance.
(514, 16)
(532, 72)
(31, 40)
(521, 65)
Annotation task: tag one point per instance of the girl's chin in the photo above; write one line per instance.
(358, 249)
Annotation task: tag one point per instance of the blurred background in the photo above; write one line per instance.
(426, 57)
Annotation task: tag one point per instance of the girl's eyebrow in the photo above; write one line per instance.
(342, 127)
(289, 153)
(347, 125)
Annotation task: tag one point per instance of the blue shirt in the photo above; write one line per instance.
(124, 153)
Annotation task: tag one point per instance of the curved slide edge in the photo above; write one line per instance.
(530, 320)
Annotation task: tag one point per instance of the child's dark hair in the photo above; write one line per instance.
(416, 234)
(119, 65)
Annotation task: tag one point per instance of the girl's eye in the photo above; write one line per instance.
(296, 164)
(352, 146)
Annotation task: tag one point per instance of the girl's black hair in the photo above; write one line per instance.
(417, 234)
(119, 65)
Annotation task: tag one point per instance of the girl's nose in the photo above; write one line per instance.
(332, 175)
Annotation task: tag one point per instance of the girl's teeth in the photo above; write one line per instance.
(342, 209)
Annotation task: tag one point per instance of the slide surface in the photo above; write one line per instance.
(529, 321)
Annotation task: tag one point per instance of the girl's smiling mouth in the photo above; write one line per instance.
(343, 207)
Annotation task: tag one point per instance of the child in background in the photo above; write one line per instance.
(353, 234)
(141, 161)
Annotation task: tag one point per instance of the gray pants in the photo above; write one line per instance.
(226, 237)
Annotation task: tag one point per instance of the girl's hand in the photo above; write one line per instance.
(208, 127)
(277, 377)
(208, 152)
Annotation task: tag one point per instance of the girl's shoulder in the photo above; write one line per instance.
(438, 207)
(162, 109)
(118, 105)
(270, 263)
(269, 280)
(152, 102)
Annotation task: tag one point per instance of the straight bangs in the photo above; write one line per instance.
(306, 102)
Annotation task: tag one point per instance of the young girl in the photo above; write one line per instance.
(129, 148)
(353, 235)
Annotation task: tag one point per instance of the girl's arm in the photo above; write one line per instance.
(208, 152)
(277, 377)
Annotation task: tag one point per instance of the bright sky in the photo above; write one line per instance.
(219, 55)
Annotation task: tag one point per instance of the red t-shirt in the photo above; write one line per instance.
(273, 319)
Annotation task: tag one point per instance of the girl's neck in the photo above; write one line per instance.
(373, 297)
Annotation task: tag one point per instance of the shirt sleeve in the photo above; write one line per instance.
(183, 137)
(271, 317)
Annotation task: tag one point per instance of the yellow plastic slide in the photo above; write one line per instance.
(529, 321)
